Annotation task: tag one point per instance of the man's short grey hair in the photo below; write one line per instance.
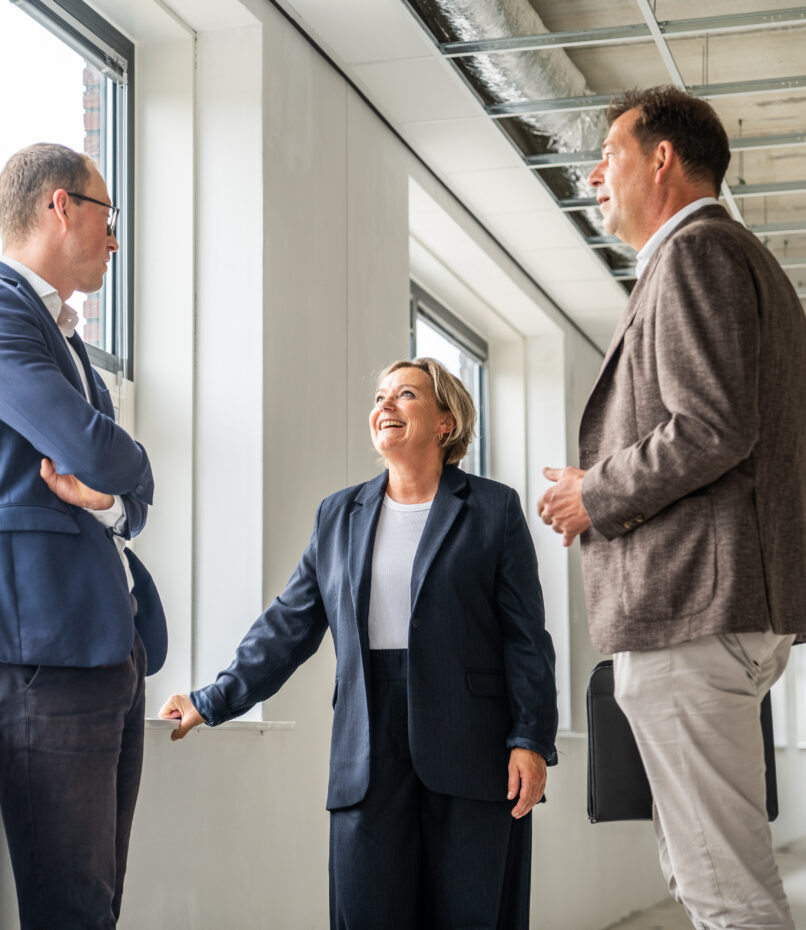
(31, 175)
(452, 397)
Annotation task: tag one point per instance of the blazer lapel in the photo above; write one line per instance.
(13, 280)
(363, 522)
(81, 351)
(447, 505)
(627, 317)
(589, 414)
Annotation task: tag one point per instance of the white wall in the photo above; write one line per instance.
(273, 262)
(164, 334)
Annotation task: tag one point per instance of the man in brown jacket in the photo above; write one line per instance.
(691, 501)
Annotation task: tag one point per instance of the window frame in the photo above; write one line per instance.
(91, 36)
(424, 305)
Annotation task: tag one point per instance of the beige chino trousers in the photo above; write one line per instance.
(694, 710)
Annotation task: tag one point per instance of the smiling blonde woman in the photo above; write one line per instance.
(444, 700)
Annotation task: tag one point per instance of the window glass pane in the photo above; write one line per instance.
(430, 342)
(58, 97)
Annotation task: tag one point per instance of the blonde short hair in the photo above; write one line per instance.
(452, 396)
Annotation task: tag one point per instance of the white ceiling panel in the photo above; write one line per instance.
(584, 297)
(503, 190)
(552, 265)
(537, 230)
(461, 145)
(416, 90)
(361, 31)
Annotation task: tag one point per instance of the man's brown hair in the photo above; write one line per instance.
(32, 174)
(689, 123)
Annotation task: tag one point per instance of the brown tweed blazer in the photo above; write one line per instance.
(694, 441)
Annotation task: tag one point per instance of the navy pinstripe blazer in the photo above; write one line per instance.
(481, 664)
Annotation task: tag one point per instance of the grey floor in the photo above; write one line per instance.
(669, 916)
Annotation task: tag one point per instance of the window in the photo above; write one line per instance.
(67, 78)
(437, 333)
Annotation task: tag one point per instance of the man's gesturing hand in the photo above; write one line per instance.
(527, 780)
(73, 491)
(561, 506)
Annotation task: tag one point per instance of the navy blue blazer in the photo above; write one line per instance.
(481, 664)
(64, 599)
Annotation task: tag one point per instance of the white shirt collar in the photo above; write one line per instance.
(651, 245)
(64, 317)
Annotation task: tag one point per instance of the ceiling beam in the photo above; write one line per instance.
(610, 35)
(562, 159)
(779, 229)
(741, 88)
(572, 204)
(763, 229)
(601, 101)
(773, 141)
(763, 190)
(558, 105)
(621, 35)
(739, 191)
(602, 242)
(739, 144)
(628, 273)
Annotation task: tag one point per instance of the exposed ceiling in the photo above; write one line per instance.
(504, 100)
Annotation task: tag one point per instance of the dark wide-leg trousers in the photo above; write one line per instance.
(407, 858)
(71, 752)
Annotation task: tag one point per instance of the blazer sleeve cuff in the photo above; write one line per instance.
(549, 753)
(606, 515)
(211, 705)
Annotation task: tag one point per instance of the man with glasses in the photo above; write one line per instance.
(73, 487)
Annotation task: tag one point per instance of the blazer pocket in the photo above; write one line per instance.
(486, 682)
(24, 517)
(670, 562)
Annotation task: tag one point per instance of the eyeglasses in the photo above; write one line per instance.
(114, 212)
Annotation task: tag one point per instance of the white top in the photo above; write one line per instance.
(651, 245)
(400, 527)
(115, 516)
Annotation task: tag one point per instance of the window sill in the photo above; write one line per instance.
(257, 726)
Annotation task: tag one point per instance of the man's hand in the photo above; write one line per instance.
(527, 780)
(561, 506)
(180, 707)
(73, 491)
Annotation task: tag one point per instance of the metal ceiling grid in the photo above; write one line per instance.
(750, 63)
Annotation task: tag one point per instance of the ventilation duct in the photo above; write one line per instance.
(512, 77)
